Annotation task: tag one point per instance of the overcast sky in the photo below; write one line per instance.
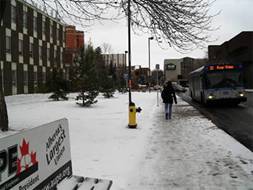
(235, 16)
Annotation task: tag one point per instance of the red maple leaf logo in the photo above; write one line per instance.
(24, 149)
(33, 158)
(19, 167)
(23, 162)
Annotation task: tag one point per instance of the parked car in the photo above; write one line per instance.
(178, 87)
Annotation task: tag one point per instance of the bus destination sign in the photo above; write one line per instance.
(223, 67)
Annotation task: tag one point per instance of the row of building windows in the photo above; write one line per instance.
(24, 17)
(31, 49)
(25, 77)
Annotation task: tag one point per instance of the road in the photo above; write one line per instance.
(236, 121)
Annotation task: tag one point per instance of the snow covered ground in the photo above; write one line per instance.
(187, 152)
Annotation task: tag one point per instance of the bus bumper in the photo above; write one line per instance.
(227, 100)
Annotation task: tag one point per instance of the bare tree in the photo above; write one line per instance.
(182, 24)
(106, 48)
(3, 109)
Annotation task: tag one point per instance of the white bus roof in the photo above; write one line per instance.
(199, 70)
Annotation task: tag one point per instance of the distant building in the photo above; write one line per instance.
(32, 44)
(140, 76)
(74, 43)
(239, 49)
(172, 69)
(157, 77)
(189, 64)
(118, 62)
(179, 69)
(74, 38)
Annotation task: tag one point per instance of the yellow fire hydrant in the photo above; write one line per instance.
(132, 115)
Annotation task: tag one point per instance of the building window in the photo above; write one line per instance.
(55, 54)
(48, 54)
(25, 78)
(57, 34)
(40, 52)
(77, 43)
(44, 77)
(2, 74)
(35, 24)
(13, 14)
(60, 58)
(25, 23)
(51, 30)
(31, 49)
(20, 47)
(35, 74)
(14, 78)
(43, 27)
(63, 36)
(8, 44)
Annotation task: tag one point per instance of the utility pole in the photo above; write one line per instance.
(4, 123)
(129, 51)
(149, 71)
(132, 108)
(157, 68)
(125, 70)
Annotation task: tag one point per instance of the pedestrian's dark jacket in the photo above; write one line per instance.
(168, 95)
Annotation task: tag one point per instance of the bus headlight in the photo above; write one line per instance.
(241, 94)
(210, 97)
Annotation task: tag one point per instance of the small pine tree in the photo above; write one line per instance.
(107, 87)
(58, 86)
(87, 78)
(105, 82)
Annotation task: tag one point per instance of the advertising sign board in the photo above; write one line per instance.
(171, 66)
(37, 158)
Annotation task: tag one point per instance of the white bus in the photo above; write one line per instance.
(217, 83)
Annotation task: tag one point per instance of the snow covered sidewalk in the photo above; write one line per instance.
(187, 152)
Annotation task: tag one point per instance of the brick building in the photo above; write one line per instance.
(74, 43)
(32, 44)
(239, 49)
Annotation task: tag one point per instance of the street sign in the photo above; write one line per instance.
(125, 76)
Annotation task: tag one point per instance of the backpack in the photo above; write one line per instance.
(167, 96)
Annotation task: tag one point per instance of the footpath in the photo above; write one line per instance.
(190, 152)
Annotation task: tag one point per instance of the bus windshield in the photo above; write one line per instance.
(224, 79)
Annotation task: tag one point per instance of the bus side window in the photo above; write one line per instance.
(207, 82)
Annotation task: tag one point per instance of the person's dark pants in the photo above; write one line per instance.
(168, 110)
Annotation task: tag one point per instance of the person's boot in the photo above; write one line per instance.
(166, 116)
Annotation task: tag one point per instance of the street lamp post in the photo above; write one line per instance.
(125, 70)
(157, 84)
(132, 108)
(129, 51)
(150, 38)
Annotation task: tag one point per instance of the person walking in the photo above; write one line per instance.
(168, 95)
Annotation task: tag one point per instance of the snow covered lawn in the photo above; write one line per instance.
(188, 152)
